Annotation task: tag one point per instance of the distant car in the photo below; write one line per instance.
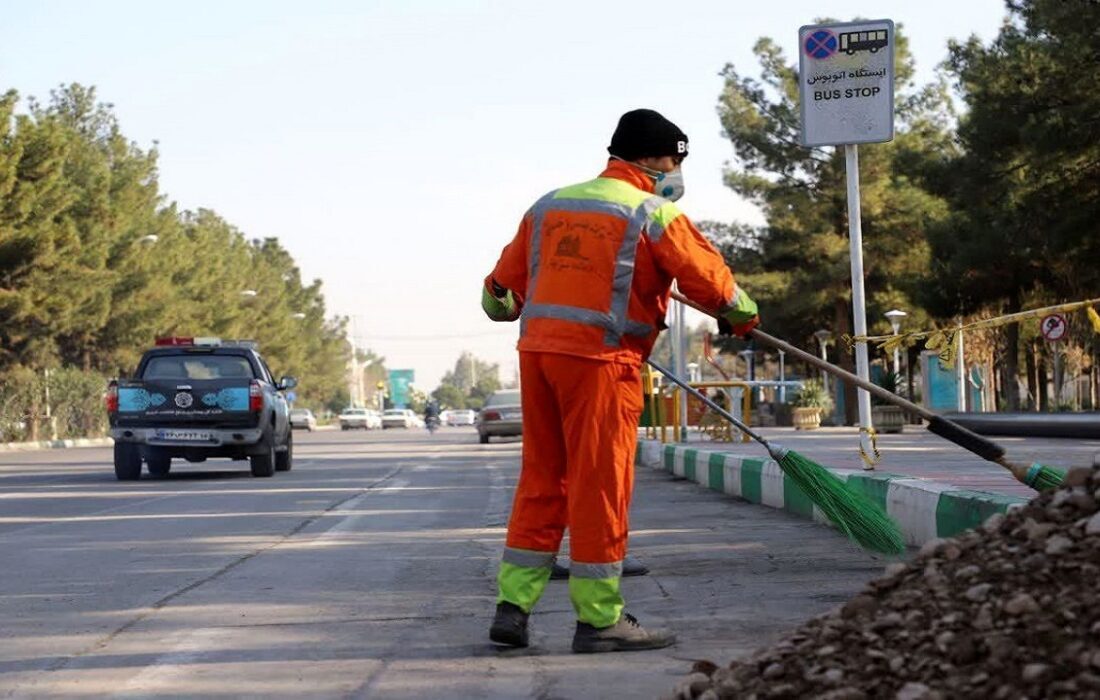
(303, 418)
(501, 416)
(374, 420)
(400, 418)
(355, 419)
(464, 417)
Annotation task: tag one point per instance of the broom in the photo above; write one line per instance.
(1037, 476)
(854, 514)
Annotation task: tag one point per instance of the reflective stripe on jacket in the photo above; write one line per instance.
(593, 263)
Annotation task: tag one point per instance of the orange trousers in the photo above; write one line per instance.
(580, 432)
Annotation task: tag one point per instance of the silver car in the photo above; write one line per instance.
(502, 416)
(303, 418)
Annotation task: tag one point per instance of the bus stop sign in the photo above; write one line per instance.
(846, 82)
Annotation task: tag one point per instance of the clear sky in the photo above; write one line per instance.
(393, 146)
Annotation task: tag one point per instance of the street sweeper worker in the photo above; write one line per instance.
(588, 276)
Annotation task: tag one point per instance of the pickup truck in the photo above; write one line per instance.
(195, 398)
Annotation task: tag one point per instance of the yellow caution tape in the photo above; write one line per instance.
(1094, 318)
(942, 340)
(870, 459)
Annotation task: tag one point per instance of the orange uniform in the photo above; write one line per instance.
(591, 267)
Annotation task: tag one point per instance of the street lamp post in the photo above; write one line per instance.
(894, 316)
(782, 378)
(693, 372)
(823, 337)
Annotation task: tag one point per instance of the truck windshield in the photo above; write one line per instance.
(198, 367)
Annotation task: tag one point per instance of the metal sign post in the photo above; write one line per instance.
(846, 85)
(859, 305)
(960, 371)
(1053, 328)
(679, 360)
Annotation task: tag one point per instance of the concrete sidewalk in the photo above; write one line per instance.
(930, 487)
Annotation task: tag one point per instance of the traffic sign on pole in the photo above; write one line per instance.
(846, 85)
(1054, 327)
(846, 82)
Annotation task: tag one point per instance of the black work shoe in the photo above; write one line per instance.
(624, 635)
(509, 625)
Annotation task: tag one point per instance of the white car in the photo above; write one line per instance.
(465, 417)
(303, 418)
(374, 420)
(399, 418)
(355, 419)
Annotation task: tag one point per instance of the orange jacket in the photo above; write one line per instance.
(592, 265)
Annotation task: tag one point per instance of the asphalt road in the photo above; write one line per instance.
(367, 571)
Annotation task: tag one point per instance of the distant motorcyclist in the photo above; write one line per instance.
(431, 415)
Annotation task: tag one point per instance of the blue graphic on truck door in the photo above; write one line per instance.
(232, 399)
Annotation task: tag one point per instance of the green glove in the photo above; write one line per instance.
(743, 309)
(499, 308)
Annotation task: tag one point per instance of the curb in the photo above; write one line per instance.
(925, 510)
(55, 444)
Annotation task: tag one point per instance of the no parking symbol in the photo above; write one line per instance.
(1054, 327)
(821, 44)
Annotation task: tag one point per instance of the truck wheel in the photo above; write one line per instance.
(285, 460)
(263, 464)
(127, 461)
(158, 463)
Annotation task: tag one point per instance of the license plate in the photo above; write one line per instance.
(184, 435)
(511, 416)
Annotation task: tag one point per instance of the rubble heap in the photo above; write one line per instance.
(1009, 610)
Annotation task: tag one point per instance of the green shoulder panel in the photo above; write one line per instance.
(665, 215)
(606, 189)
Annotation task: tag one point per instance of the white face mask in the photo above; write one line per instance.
(669, 185)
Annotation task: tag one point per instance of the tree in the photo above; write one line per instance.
(81, 286)
(472, 379)
(1025, 189)
(797, 265)
(449, 396)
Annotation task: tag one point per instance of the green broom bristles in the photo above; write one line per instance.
(854, 513)
(1041, 477)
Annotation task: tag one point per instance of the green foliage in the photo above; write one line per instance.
(418, 400)
(813, 395)
(1026, 187)
(75, 404)
(449, 397)
(888, 381)
(468, 384)
(82, 285)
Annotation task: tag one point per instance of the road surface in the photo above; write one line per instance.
(367, 571)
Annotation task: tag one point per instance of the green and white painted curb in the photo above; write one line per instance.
(923, 509)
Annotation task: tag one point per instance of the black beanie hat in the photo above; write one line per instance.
(644, 133)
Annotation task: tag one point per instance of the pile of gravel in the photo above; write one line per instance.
(1009, 610)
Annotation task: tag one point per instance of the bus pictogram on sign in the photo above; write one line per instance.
(851, 42)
